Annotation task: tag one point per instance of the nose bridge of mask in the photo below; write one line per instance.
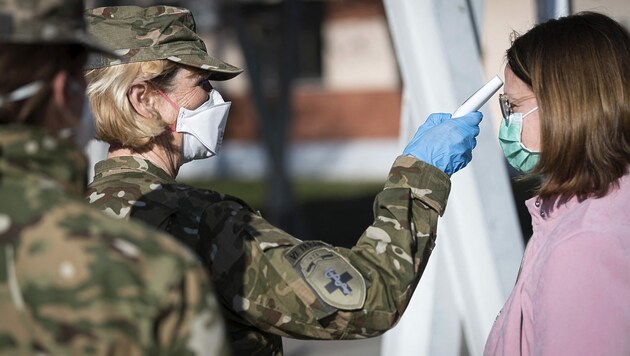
(182, 111)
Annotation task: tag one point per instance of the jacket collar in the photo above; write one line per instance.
(130, 164)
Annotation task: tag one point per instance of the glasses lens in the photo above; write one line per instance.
(205, 85)
(504, 102)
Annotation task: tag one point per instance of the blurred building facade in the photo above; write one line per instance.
(345, 95)
(346, 92)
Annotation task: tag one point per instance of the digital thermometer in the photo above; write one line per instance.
(479, 97)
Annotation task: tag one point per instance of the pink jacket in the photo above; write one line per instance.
(572, 296)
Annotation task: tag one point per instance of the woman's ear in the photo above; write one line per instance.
(68, 93)
(141, 99)
(59, 88)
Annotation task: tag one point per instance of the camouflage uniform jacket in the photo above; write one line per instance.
(274, 284)
(73, 281)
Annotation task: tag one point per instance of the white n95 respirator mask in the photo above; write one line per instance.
(202, 127)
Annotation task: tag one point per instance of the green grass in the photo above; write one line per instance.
(333, 212)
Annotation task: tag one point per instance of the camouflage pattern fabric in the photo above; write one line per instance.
(275, 283)
(73, 281)
(146, 34)
(124, 186)
(46, 21)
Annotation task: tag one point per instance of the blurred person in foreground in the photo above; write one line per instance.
(73, 281)
(157, 109)
(566, 118)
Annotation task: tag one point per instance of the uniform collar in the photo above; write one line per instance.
(26, 149)
(130, 164)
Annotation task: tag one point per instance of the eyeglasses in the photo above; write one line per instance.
(205, 84)
(506, 107)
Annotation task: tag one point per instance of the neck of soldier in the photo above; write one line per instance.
(161, 152)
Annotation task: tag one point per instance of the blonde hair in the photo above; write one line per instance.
(115, 119)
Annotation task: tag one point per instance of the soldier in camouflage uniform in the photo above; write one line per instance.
(270, 284)
(73, 281)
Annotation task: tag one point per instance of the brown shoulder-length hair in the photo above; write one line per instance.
(579, 69)
(21, 64)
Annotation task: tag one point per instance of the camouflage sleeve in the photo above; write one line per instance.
(77, 282)
(313, 290)
(189, 321)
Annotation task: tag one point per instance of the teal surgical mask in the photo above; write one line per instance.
(518, 156)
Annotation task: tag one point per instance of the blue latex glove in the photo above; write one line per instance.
(444, 142)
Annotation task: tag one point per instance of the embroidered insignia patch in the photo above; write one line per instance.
(333, 278)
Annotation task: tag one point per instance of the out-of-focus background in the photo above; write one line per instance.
(325, 105)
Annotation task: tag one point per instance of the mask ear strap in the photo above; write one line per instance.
(175, 106)
(531, 111)
(173, 127)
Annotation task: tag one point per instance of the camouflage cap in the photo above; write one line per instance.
(45, 22)
(141, 34)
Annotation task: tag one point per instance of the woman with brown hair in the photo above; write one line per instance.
(566, 118)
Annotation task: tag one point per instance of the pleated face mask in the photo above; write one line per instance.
(518, 156)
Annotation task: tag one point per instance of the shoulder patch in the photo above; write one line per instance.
(333, 278)
(297, 251)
